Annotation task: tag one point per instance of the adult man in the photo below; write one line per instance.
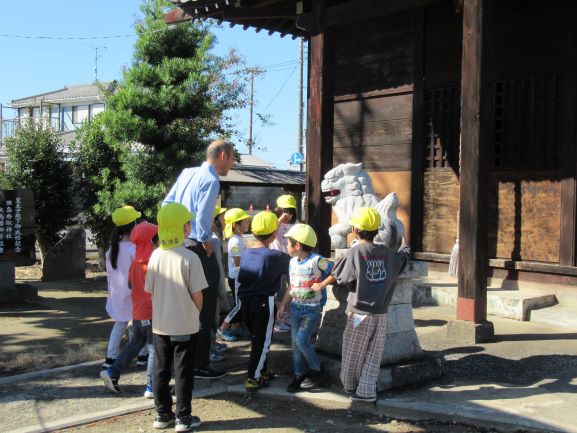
(197, 188)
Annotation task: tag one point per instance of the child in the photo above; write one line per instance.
(175, 279)
(370, 272)
(118, 260)
(259, 279)
(236, 221)
(217, 349)
(286, 211)
(142, 236)
(306, 268)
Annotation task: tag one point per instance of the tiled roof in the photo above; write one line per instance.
(67, 93)
(240, 175)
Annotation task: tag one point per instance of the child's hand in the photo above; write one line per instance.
(284, 218)
(280, 313)
(317, 287)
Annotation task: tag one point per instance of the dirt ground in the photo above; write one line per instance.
(252, 414)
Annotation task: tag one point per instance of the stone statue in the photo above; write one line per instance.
(348, 187)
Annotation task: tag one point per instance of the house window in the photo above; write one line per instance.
(443, 111)
(79, 113)
(528, 122)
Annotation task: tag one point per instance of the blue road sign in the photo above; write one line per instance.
(296, 158)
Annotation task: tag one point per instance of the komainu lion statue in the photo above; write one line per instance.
(348, 187)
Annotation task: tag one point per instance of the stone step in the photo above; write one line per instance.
(558, 315)
(512, 304)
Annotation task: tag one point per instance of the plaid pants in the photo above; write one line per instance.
(362, 354)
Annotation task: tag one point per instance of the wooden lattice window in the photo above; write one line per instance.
(442, 128)
(528, 122)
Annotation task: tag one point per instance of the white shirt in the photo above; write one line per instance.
(119, 303)
(236, 247)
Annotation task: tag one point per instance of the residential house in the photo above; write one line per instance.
(63, 110)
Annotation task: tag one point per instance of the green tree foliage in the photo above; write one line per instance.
(173, 100)
(170, 104)
(37, 162)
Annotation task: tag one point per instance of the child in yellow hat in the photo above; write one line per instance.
(217, 349)
(237, 224)
(306, 268)
(286, 210)
(370, 271)
(175, 279)
(259, 280)
(119, 257)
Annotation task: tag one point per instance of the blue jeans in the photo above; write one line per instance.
(141, 335)
(304, 320)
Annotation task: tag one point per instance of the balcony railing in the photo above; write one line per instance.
(10, 126)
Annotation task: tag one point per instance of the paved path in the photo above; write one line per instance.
(525, 379)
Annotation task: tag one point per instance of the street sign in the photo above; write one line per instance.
(17, 229)
(296, 158)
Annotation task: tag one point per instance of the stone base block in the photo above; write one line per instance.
(394, 375)
(470, 332)
(68, 257)
(401, 346)
(23, 292)
(7, 276)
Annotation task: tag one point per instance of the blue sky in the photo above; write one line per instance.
(32, 66)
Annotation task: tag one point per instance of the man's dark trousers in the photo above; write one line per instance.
(209, 302)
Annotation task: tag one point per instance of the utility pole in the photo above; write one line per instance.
(300, 102)
(251, 103)
(96, 57)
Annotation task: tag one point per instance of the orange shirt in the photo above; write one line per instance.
(141, 236)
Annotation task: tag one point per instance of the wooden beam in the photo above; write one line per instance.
(568, 243)
(357, 10)
(416, 234)
(475, 124)
(176, 16)
(320, 108)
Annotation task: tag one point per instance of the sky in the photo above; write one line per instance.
(47, 45)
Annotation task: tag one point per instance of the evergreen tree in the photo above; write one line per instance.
(37, 162)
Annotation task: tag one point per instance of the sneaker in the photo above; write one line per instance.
(142, 360)
(242, 332)
(226, 334)
(280, 326)
(295, 385)
(219, 347)
(148, 393)
(186, 423)
(356, 397)
(108, 363)
(314, 379)
(163, 421)
(216, 356)
(268, 375)
(208, 373)
(253, 385)
(109, 382)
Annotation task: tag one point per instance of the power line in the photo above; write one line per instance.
(279, 90)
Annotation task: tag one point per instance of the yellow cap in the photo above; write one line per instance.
(171, 220)
(303, 233)
(286, 202)
(218, 210)
(264, 223)
(365, 218)
(232, 216)
(124, 215)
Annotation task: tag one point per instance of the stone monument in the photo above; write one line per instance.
(349, 187)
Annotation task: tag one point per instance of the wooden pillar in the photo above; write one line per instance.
(471, 324)
(568, 244)
(319, 151)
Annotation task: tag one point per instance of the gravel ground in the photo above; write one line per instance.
(235, 412)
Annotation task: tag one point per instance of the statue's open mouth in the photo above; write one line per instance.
(329, 195)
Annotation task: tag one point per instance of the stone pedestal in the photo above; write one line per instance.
(7, 276)
(68, 257)
(470, 332)
(402, 347)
